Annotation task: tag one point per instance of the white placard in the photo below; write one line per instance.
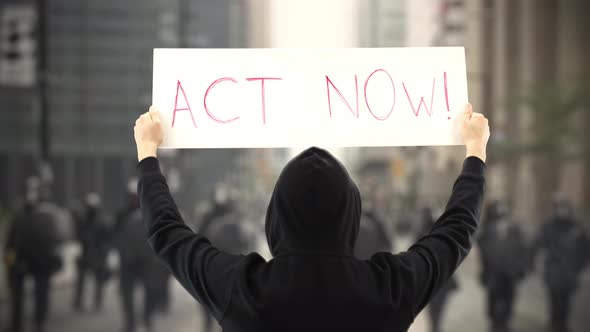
(247, 98)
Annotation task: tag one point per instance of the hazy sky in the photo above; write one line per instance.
(313, 23)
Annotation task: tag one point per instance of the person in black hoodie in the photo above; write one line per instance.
(313, 282)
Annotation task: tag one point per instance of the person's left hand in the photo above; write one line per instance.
(148, 134)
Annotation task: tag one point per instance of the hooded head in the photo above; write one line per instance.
(427, 213)
(32, 188)
(222, 196)
(315, 207)
(132, 198)
(562, 208)
(496, 211)
(93, 200)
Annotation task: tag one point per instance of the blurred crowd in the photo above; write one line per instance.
(113, 247)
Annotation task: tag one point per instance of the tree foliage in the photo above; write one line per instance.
(557, 130)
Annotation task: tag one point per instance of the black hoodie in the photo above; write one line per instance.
(313, 283)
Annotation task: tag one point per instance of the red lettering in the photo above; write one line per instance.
(367, 100)
(187, 108)
(447, 94)
(211, 115)
(417, 111)
(329, 82)
(261, 79)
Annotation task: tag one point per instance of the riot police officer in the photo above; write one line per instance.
(566, 248)
(93, 233)
(32, 250)
(504, 262)
(373, 237)
(224, 225)
(138, 266)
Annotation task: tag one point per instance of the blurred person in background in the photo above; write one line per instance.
(372, 237)
(437, 305)
(223, 225)
(93, 234)
(567, 249)
(220, 204)
(504, 263)
(32, 250)
(138, 266)
(313, 282)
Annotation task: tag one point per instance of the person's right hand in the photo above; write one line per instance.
(475, 132)
(148, 134)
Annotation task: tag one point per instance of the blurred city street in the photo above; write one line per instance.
(465, 312)
(75, 75)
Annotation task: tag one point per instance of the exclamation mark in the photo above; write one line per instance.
(447, 94)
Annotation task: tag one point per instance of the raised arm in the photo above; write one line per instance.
(204, 271)
(431, 261)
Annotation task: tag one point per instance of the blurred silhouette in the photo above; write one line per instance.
(223, 224)
(372, 237)
(504, 262)
(138, 266)
(32, 251)
(566, 248)
(93, 233)
(437, 305)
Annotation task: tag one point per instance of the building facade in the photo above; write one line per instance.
(99, 79)
(526, 47)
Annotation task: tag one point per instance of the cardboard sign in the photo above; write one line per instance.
(248, 98)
